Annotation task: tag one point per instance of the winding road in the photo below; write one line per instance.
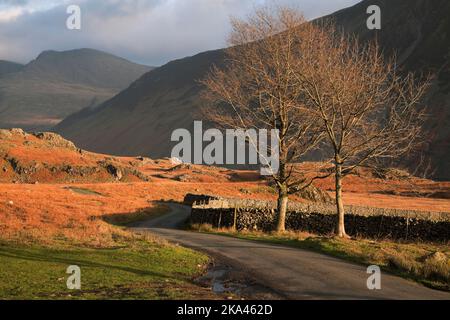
(292, 273)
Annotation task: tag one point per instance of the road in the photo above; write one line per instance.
(292, 273)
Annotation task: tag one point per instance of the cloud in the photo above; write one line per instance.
(11, 10)
(146, 31)
(10, 14)
(13, 2)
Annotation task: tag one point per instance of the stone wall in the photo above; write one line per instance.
(365, 222)
(190, 199)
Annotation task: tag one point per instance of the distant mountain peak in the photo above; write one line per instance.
(85, 66)
(58, 83)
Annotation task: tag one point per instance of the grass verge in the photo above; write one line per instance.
(142, 270)
(427, 263)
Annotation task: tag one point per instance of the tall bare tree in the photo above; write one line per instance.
(258, 88)
(367, 109)
(318, 87)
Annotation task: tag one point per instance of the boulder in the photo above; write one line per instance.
(115, 171)
(315, 194)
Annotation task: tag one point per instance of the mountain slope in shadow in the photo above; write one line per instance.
(9, 67)
(140, 119)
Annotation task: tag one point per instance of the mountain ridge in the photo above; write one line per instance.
(50, 63)
(58, 83)
(9, 67)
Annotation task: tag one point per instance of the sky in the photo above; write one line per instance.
(151, 32)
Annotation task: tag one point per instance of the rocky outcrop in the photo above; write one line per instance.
(115, 171)
(9, 133)
(55, 140)
(48, 158)
(314, 194)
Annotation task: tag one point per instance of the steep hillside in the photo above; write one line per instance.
(418, 32)
(57, 84)
(140, 119)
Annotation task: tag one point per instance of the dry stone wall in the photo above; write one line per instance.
(320, 219)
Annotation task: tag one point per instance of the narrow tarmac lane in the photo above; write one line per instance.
(291, 272)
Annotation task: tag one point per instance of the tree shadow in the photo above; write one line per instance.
(158, 209)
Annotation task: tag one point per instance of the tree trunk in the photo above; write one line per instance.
(340, 231)
(283, 186)
(282, 209)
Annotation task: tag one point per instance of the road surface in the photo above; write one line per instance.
(292, 273)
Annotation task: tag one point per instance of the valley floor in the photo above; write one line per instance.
(48, 212)
(44, 228)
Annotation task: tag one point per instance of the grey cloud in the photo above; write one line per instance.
(13, 2)
(114, 8)
(146, 31)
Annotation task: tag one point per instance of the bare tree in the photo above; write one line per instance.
(368, 111)
(258, 88)
(317, 87)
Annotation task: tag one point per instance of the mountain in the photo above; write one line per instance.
(140, 119)
(9, 67)
(418, 33)
(57, 84)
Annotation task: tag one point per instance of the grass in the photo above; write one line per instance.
(426, 263)
(142, 270)
(130, 266)
(37, 247)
